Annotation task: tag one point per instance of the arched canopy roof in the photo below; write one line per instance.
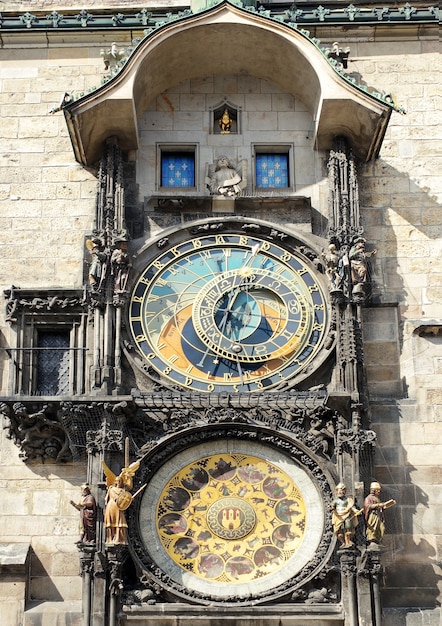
(224, 40)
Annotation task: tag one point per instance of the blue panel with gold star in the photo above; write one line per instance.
(178, 169)
(272, 170)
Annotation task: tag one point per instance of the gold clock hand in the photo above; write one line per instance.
(236, 291)
(242, 272)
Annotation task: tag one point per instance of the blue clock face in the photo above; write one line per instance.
(228, 312)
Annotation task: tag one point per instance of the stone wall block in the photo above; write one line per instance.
(9, 127)
(390, 455)
(202, 85)
(424, 454)
(38, 127)
(56, 588)
(192, 102)
(225, 84)
(387, 354)
(264, 121)
(434, 396)
(65, 564)
(385, 473)
(283, 102)
(14, 501)
(391, 434)
(12, 611)
(406, 249)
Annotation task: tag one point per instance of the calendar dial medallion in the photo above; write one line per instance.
(228, 312)
(233, 520)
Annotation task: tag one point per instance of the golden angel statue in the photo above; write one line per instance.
(118, 499)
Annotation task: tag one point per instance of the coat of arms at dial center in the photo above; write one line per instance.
(231, 518)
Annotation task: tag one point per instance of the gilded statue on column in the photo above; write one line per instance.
(344, 516)
(374, 514)
(118, 499)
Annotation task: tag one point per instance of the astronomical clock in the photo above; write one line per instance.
(233, 510)
(229, 308)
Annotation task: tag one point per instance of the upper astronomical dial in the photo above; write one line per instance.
(228, 312)
(251, 315)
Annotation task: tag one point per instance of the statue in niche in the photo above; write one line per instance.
(344, 516)
(358, 261)
(225, 123)
(374, 514)
(224, 179)
(88, 514)
(98, 264)
(120, 266)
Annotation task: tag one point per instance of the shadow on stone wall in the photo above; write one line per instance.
(402, 220)
(412, 569)
(41, 585)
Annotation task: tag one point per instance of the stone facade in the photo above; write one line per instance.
(47, 209)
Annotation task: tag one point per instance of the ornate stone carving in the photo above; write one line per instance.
(369, 563)
(116, 554)
(147, 592)
(317, 595)
(352, 441)
(87, 555)
(19, 301)
(348, 561)
(37, 433)
(347, 262)
(225, 178)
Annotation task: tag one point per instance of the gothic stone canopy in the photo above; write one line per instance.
(220, 40)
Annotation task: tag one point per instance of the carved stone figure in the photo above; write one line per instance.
(374, 514)
(358, 261)
(225, 180)
(333, 267)
(118, 499)
(112, 56)
(344, 516)
(98, 264)
(120, 266)
(88, 514)
(320, 596)
(39, 435)
(321, 434)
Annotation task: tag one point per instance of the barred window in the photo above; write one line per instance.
(52, 363)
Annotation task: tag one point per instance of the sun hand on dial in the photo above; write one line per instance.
(253, 320)
(243, 272)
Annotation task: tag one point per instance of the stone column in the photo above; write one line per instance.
(116, 555)
(349, 589)
(87, 555)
